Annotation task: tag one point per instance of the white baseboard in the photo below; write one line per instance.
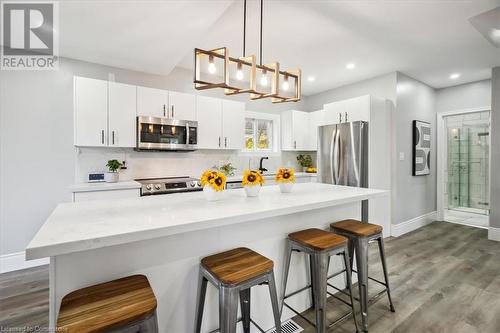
(413, 224)
(16, 261)
(494, 234)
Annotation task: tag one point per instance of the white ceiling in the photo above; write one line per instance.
(426, 39)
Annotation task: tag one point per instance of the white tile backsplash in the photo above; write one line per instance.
(165, 164)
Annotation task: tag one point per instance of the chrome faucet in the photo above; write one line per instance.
(261, 168)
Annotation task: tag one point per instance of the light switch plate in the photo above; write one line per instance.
(401, 156)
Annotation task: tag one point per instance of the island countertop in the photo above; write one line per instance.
(81, 226)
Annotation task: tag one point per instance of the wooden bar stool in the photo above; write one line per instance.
(359, 235)
(121, 304)
(320, 245)
(234, 272)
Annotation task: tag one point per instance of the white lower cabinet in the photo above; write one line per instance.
(106, 195)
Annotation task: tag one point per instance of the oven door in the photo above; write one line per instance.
(155, 133)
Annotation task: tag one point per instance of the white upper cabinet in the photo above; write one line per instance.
(91, 112)
(335, 112)
(233, 124)
(358, 109)
(221, 123)
(152, 102)
(181, 106)
(209, 113)
(316, 119)
(295, 130)
(353, 109)
(122, 115)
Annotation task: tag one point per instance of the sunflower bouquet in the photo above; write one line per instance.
(252, 182)
(285, 177)
(213, 183)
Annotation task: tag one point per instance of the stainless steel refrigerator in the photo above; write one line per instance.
(343, 156)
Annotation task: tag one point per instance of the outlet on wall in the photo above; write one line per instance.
(401, 156)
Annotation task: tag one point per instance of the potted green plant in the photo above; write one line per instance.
(112, 175)
(305, 161)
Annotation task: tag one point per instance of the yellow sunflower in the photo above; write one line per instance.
(214, 179)
(252, 177)
(285, 175)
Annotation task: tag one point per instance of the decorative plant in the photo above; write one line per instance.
(252, 178)
(305, 161)
(227, 168)
(285, 175)
(215, 179)
(113, 165)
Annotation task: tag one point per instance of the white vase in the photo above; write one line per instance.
(252, 191)
(286, 187)
(211, 194)
(111, 177)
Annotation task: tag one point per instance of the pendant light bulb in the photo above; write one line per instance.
(211, 66)
(239, 72)
(286, 85)
(263, 78)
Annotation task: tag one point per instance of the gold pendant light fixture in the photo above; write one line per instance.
(243, 75)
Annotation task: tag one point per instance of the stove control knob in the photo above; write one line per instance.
(157, 186)
(149, 187)
(192, 184)
(198, 183)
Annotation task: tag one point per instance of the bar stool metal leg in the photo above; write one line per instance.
(349, 287)
(362, 262)
(245, 309)
(149, 325)
(202, 291)
(285, 273)
(228, 309)
(319, 283)
(274, 302)
(384, 266)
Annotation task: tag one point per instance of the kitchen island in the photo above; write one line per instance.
(164, 237)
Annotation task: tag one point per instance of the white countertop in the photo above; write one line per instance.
(103, 186)
(271, 176)
(81, 226)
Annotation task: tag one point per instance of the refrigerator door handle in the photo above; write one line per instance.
(335, 156)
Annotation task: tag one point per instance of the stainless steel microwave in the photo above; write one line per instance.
(156, 133)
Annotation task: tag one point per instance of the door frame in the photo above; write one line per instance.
(441, 153)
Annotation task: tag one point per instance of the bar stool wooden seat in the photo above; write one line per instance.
(234, 272)
(360, 234)
(320, 245)
(118, 304)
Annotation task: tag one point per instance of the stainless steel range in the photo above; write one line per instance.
(154, 186)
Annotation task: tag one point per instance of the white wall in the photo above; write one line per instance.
(415, 195)
(37, 157)
(495, 157)
(465, 96)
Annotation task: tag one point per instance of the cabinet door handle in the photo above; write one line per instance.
(346, 116)
(340, 117)
(164, 110)
(225, 141)
(113, 137)
(172, 111)
(102, 136)
(295, 145)
(219, 141)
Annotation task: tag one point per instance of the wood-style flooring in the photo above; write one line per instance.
(444, 277)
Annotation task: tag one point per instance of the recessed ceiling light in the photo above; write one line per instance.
(350, 65)
(311, 78)
(454, 76)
